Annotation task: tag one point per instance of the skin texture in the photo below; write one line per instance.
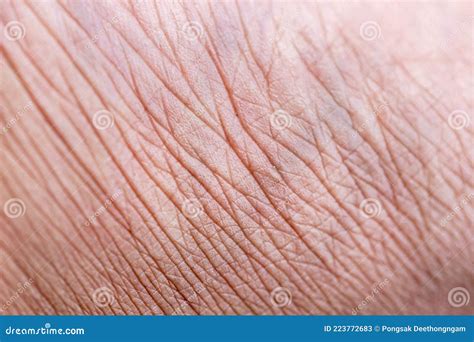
(195, 201)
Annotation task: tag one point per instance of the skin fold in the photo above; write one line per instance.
(248, 157)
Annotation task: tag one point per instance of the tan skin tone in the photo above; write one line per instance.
(199, 199)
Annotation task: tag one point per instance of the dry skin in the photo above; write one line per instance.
(236, 157)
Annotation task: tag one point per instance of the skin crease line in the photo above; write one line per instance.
(236, 158)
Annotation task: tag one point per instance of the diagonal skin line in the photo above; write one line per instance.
(393, 273)
(77, 190)
(72, 237)
(211, 52)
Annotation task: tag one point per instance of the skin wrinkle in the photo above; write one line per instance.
(406, 187)
(426, 91)
(348, 42)
(43, 111)
(405, 146)
(32, 234)
(174, 93)
(39, 106)
(156, 262)
(123, 214)
(71, 267)
(255, 201)
(150, 157)
(224, 193)
(177, 160)
(143, 103)
(254, 177)
(408, 149)
(413, 222)
(152, 214)
(414, 196)
(235, 108)
(28, 273)
(336, 275)
(41, 293)
(233, 241)
(249, 45)
(132, 268)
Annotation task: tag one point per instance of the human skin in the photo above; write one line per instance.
(247, 138)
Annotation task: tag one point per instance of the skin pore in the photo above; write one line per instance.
(236, 157)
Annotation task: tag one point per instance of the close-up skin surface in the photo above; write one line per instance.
(236, 157)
